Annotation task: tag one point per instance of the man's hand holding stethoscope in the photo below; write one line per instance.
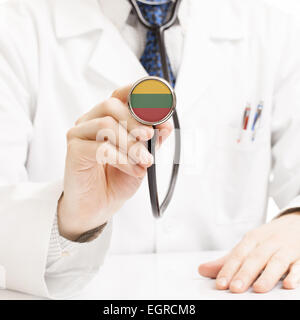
(106, 160)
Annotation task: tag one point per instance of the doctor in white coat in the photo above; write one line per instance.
(63, 68)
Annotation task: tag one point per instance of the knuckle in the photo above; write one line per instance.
(236, 257)
(104, 145)
(115, 93)
(105, 107)
(133, 148)
(109, 105)
(79, 120)
(70, 134)
(98, 122)
(250, 235)
(72, 145)
(149, 131)
(281, 260)
(140, 149)
(114, 101)
(102, 153)
(108, 121)
(103, 122)
(143, 131)
(239, 253)
(256, 256)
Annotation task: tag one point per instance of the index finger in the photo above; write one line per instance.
(234, 262)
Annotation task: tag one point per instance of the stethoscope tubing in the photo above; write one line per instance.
(158, 209)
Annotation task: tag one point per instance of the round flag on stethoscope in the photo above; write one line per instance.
(152, 101)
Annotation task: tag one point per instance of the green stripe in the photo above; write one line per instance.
(151, 101)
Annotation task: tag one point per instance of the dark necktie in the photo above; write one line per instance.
(156, 14)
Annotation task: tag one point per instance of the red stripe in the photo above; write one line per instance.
(151, 114)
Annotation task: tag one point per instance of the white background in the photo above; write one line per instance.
(292, 6)
(289, 6)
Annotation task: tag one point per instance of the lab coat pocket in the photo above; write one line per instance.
(241, 175)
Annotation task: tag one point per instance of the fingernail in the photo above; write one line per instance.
(139, 171)
(294, 283)
(142, 133)
(222, 282)
(146, 133)
(237, 284)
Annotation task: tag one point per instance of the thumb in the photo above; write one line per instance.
(122, 93)
(212, 268)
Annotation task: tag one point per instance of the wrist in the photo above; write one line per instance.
(64, 227)
(74, 228)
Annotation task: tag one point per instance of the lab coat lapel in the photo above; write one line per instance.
(111, 58)
(114, 60)
(211, 23)
(75, 17)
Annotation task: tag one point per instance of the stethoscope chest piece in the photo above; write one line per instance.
(152, 101)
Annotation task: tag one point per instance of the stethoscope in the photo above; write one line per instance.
(158, 209)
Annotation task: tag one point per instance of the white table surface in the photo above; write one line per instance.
(162, 276)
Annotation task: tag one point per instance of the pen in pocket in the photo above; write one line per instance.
(256, 119)
(245, 121)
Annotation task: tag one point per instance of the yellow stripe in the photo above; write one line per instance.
(151, 87)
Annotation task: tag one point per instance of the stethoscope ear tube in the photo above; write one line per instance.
(158, 209)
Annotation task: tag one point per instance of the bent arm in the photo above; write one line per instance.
(30, 254)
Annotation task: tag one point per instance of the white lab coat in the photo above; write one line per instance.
(59, 58)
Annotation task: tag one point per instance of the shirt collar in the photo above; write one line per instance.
(117, 11)
(120, 17)
(76, 17)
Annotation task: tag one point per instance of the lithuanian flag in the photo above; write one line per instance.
(151, 100)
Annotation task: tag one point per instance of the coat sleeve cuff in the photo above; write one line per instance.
(58, 246)
(26, 218)
(292, 207)
(78, 263)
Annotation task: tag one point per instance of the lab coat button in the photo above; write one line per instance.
(65, 253)
(168, 228)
